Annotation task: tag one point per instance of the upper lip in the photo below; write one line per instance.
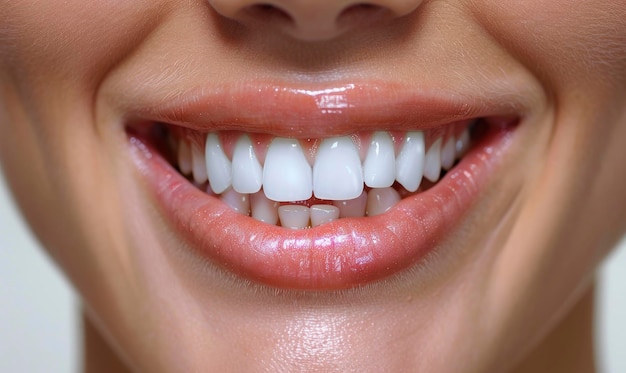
(317, 112)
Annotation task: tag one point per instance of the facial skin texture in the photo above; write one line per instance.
(516, 272)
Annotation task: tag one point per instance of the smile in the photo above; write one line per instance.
(331, 202)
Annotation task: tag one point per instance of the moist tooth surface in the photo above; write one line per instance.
(381, 200)
(321, 214)
(247, 170)
(336, 180)
(263, 208)
(287, 176)
(337, 173)
(379, 168)
(448, 153)
(410, 161)
(294, 216)
(219, 167)
(432, 163)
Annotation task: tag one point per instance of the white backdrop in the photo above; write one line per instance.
(39, 331)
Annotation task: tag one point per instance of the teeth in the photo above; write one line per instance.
(294, 216)
(410, 161)
(381, 200)
(237, 201)
(287, 175)
(380, 162)
(198, 165)
(264, 209)
(184, 158)
(354, 208)
(218, 165)
(257, 190)
(321, 214)
(247, 170)
(337, 174)
(448, 152)
(463, 143)
(432, 165)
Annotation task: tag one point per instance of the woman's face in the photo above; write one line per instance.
(105, 108)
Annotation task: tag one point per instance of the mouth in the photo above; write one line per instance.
(330, 190)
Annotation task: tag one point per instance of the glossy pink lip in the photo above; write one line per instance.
(322, 112)
(342, 254)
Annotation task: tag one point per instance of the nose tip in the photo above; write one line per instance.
(313, 20)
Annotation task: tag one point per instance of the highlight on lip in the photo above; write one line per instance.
(303, 183)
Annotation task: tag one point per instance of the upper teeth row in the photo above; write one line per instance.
(337, 172)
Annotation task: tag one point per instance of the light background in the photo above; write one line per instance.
(39, 330)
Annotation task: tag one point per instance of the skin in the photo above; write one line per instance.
(512, 293)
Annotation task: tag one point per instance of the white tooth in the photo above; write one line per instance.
(448, 153)
(198, 165)
(184, 157)
(286, 174)
(462, 144)
(264, 209)
(237, 201)
(379, 168)
(381, 200)
(353, 207)
(321, 214)
(294, 216)
(247, 170)
(410, 161)
(218, 165)
(432, 165)
(337, 173)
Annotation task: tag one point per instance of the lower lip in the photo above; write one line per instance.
(345, 253)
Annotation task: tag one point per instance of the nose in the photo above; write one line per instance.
(313, 20)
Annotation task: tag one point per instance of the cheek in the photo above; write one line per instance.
(71, 40)
(53, 56)
(559, 40)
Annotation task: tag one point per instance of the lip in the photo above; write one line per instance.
(319, 112)
(348, 252)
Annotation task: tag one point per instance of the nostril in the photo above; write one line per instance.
(363, 12)
(268, 13)
(313, 20)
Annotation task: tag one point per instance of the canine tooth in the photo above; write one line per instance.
(219, 168)
(237, 201)
(337, 173)
(410, 161)
(264, 209)
(247, 170)
(198, 165)
(294, 216)
(380, 162)
(381, 200)
(462, 143)
(287, 175)
(184, 157)
(353, 207)
(432, 165)
(448, 153)
(321, 214)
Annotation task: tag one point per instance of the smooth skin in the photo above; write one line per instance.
(514, 291)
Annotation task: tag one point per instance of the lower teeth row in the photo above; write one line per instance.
(267, 199)
(298, 216)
